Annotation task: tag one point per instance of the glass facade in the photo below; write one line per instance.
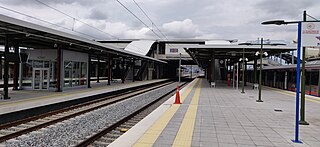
(31, 64)
(75, 73)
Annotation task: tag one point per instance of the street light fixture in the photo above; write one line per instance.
(302, 121)
(296, 140)
(243, 68)
(260, 70)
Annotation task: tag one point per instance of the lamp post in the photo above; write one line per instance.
(302, 112)
(279, 22)
(260, 69)
(303, 77)
(243, 64)
(179, 67)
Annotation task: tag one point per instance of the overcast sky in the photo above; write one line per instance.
(208, 19)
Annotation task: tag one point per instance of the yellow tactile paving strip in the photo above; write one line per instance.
(308, 98)
(155, 130)
(184, 136)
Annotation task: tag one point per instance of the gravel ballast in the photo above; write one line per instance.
(72, 131)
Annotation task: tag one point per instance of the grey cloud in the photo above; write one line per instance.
(34, 2)
(181, 29)
(98, 14)
(92, 32)
(285, 8)
(210, 18)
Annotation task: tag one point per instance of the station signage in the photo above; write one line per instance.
(310, 34)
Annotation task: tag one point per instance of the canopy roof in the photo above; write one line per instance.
(203, 53)
(141, 47)
(31, 35)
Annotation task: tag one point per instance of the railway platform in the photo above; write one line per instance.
(27, 99)
(223, 116)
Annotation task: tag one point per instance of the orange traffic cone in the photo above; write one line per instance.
(177, 96)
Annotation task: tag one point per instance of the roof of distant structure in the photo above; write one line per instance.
(141, 47)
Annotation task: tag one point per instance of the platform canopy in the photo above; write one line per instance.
(202, 54)
(35, 36)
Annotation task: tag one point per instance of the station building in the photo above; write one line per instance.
(40, 58)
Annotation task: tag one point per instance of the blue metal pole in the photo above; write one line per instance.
(296, 139)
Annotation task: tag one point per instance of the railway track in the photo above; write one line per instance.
(111, 133)
(15, 129)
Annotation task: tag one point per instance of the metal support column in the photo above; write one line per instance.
(179, 67)
(133, 64)
(20, 75)
(233, 75)
(274, 79)
(260, 72)
(6, 69)
(98, 70)
(237, 83)
(123, 71)
(213, 68)
(59, 65)
(16, 69)
(109, 69)
(255, 70)
(243, 70)
(286, 80)
(158, 70)
(296, 138)
(148, 66)
(209, 72)
(303, 79)
(89, 71)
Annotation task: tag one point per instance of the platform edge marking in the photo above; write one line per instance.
(152, 134)
(184, 135)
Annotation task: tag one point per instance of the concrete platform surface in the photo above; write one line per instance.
(223, 116)
(26, 99)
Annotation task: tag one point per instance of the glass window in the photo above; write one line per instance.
(37, 64)
(46, 64)
(83, 73)
(75, 73)
(53, 73)
(67, 74)
(27, 73)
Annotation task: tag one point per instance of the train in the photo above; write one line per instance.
(188, 72)
(284, 77)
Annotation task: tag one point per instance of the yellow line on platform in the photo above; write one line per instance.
(152, 134)
(184, 136)
(308, 98)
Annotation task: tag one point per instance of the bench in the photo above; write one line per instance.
(213, 84)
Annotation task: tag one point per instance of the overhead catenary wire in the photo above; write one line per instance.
(139, 19)
(76, 19)
(8, 9)
(152, 22)
(313, 17)
(150, 19)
